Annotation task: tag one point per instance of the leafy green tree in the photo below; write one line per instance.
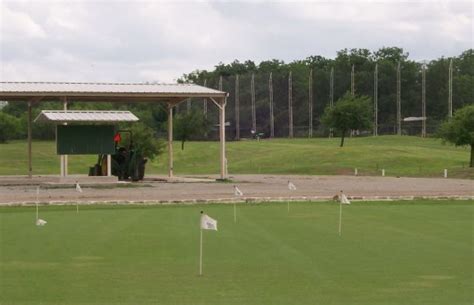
(9, 127)
(459, 130)
(144, 139)
(189, 125)
(349, 113)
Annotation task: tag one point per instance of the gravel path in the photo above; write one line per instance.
(254, 187)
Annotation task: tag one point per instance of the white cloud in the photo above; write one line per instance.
(17, 24)
(159, 41)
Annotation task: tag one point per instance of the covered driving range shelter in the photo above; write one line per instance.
(169, 94)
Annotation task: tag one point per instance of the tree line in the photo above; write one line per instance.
(363, 61)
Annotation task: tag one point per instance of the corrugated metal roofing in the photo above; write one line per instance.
(60, 87)
(85, 116)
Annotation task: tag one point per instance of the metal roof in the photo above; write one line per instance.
(89, 91)
(414, 119)
(85, 116)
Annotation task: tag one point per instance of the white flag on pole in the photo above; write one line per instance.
(237, 191)
(208, 223)
(343, 199)
(78, 187)
(41, 222)
(291, 186)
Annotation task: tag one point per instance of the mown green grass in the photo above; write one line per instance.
(389, 253)
(399, 156)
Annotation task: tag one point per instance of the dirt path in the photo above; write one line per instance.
(254, 187)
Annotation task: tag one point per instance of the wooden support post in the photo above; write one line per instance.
(170, 140)
(65, 157)
(237, 108)
(270, 93)
(30, 164)
(109, 165)
(222, 105)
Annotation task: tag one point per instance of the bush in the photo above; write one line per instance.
(144, 139)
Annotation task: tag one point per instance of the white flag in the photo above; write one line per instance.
(207, 223)
(344, 199)
(291, 186)
(41, 222)
(237, 191)
(78, 188)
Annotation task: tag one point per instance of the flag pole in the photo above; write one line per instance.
(340, 218)
(37, 195)
(200, 254)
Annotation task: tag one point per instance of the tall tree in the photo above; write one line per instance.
(189, 125)
(349, 113)
(459, 130)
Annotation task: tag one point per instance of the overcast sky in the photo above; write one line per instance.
(137, 41)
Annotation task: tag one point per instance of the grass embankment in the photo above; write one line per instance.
(399, 156)
(389, 253)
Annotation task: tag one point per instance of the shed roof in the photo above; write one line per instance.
(85, 116)
(104, 91)
(414, 119)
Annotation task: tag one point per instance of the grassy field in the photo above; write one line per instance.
(399, 156)
(390, 253)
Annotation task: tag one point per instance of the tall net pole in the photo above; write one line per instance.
(331, 88)
(237, 108)
(270, 93)
(310, 103)
(204, 102)
(220, 83)
(376, 98)
(252, 96)
(450, 88)
(352, 81)
(331, 95)
(423, 100)
(188, 106)
(290, 105)
(399, 106)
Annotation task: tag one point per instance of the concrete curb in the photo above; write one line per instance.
(230, 200)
